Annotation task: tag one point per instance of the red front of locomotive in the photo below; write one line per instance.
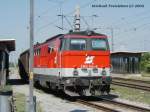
(85, 62)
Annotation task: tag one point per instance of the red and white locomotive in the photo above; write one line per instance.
(77, 61)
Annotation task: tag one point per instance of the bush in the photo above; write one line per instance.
(145, 62)
(147, 67)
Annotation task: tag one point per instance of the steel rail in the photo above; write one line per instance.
(100, 107)
(135, 86)
(109, 109)
(132, 80)
(141, 109)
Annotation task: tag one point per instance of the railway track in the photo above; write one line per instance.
(105, 104)
(132, 80)
(131, 83)
(99, 107)
(108, 105)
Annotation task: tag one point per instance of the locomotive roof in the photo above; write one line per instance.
(86, 33)
(54, 37)
(82, 33)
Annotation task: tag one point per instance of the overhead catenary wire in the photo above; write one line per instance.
(133, 24)
(130, 30)
(50, 23)
(68, 22)
(48, 9)
(88, 26)
(92, 2)
(130, 16)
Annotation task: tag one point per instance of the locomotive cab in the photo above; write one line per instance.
(85, 63)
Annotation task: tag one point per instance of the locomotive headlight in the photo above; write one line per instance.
(84, 70)
(103, 72)
(95, 70)
(75, 72)
(68, 81)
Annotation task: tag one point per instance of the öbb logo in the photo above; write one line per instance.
(89, 60)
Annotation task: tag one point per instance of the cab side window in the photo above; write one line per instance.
(50, 49)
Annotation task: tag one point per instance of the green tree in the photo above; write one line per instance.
(145, 62)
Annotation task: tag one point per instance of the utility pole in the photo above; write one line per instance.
(61, 14)
(112, 39)
(31, 103)
(93, 16)
(62, 17)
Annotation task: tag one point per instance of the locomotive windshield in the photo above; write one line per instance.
(78, 44)
(99, 44)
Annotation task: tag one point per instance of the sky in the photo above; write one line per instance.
(130, 24)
